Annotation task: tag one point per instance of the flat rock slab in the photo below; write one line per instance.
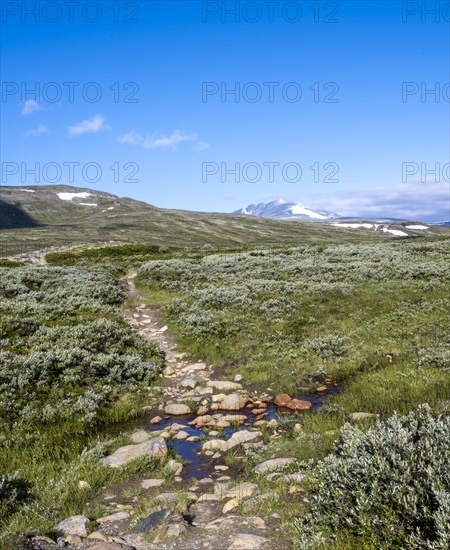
(177, 409)
(299, 405)
(149, 483)
(169, 532)
(244, 541)
(204, 512)
(139, 436)
(238, 438)
(243, 490)
(224, 385)
(118, 516)
(233, 402)
(155, 447)
(282, 399)
(152, 521)
(194, 366)
(243, 436)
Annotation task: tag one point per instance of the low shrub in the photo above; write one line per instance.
(390, 485)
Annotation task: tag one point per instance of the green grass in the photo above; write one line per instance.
(366, 315)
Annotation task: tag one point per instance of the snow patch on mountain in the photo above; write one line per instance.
(357, 225)
(71, 196)
(396, 232)
(298, 209)
(283, 210)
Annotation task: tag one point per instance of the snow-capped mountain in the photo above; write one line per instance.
(284, 210)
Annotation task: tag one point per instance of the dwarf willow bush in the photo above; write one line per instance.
(390, 485)
(69, 364)
(66, 351)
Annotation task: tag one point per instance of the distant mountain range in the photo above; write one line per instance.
(40, 216)
(283, 210)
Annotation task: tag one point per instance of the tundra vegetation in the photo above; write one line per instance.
(69, 365)
(373, 317)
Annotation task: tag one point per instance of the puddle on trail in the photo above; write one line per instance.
(198, 465)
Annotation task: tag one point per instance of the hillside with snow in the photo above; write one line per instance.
(283, 210)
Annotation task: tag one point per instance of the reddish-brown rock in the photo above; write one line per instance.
(258, 411)
(299, 405)
(282, 399)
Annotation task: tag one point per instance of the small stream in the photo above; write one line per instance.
(198, 465)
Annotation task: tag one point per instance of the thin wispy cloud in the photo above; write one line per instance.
(30, 106)
(91, 125)
(201, 145)
(163, 142)
(133, 138)
(39, 131)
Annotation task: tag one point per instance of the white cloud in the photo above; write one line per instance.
(89, 126)
(29, 106)
(152, 142)
(39, 131)
(171, 141)
(133, 138)
(412, 201)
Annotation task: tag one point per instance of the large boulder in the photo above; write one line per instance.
(155, 447)
(75, 525)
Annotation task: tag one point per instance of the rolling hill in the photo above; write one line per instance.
(38, 217)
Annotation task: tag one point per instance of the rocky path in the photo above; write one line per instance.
(200, 419)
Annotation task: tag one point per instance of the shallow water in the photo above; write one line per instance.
(198, 465)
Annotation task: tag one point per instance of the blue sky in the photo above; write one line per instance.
(169, 142)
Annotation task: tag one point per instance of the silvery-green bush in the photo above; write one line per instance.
(66, 351)
(390, 484)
